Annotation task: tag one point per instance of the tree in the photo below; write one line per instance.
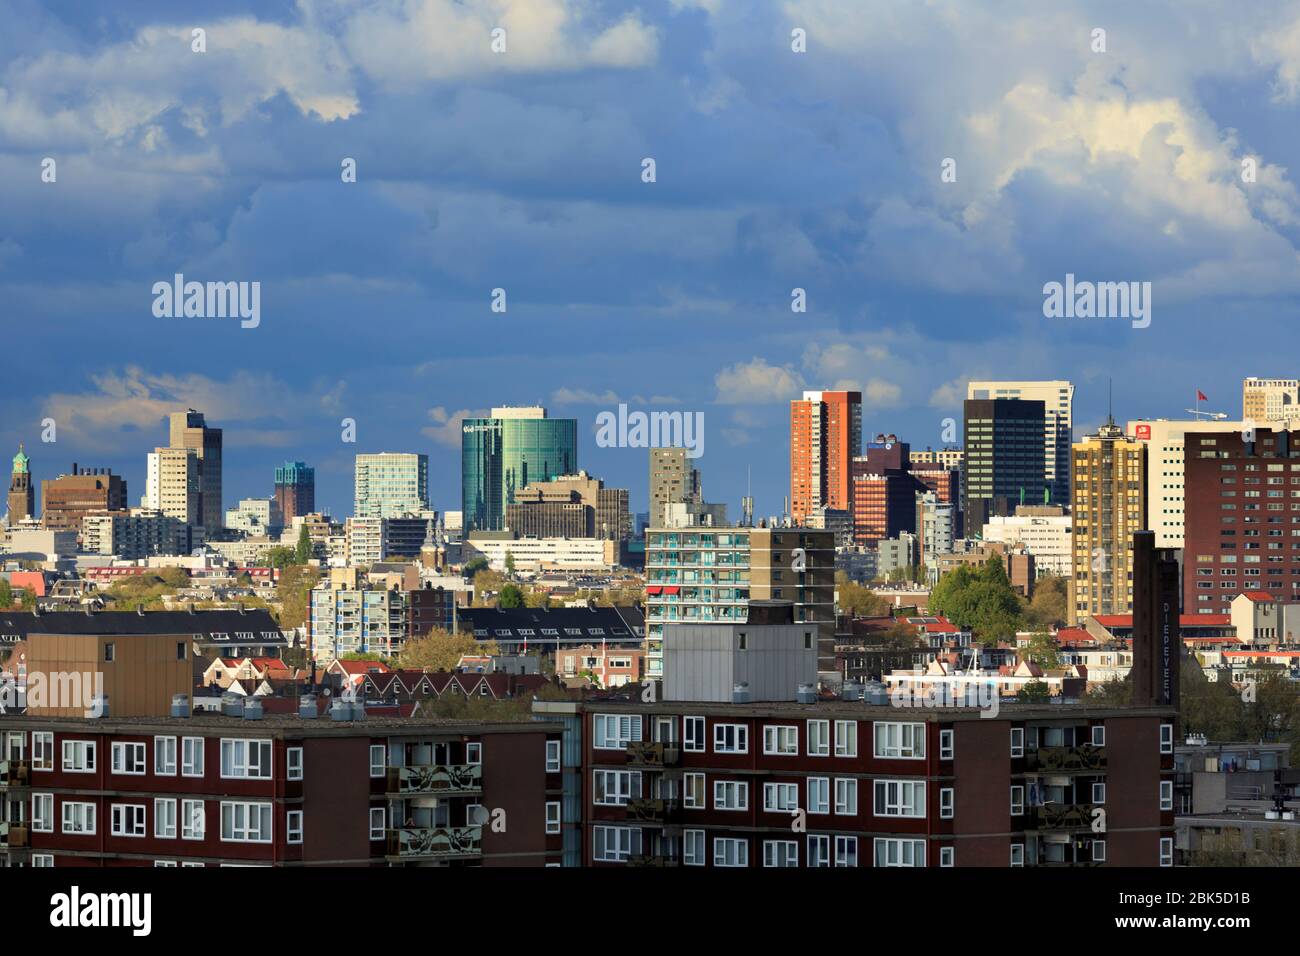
(486, 582)
(474, 566)
(6, 594)
(1042, 650)
(281, 557)
(304, 551)
(982, 600)
(510, 564)
(860, 601)
(1050, 602)
(1035, 692)
(441, 650)
(510, 597)
(535, 597)
(293, 593)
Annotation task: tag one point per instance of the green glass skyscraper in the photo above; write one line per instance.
(501, 454)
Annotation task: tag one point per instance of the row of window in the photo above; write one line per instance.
(240, 759)
(241, 821)
(892, 740)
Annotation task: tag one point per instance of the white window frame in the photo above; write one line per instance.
(1017, 800)
(194, 820)
(1166, 738)
(119, 750)
(819, 737)
(902, 740)
(377, 830)
(192, 756)
(721, 846)
(474, 752)
(901, 847)
(694, 735)
(781, 740)
(164, 812)
(692, 798)
(819, 795)
(846, 796)
(731, 795)
(553, 750)
(614, 788)
(164, 763)
(241, 764)
(89, 816)
(846, 851)
(1166, 794)
(293, 763)
(739, 742)
(779, 854)
(293, 827)
(1166, 851)
(621, 835)
(42, 813)
(947, 802)
(1099, 851)
(821, 856)
(884, 808)
(947, 739)
(1098, 793)
(1098, 737)
(695, 848)
(42, 750)
(614, 731)
(846, 738)
(780, 797)
(87, 751)
(1017, 855)
(946, 856)
(1017, 742)
(129, 820)
(244, 834)
(554, 820)
(378, 760)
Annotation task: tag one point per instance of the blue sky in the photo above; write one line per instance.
(522, 171)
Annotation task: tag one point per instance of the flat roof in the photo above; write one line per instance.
(274, 725)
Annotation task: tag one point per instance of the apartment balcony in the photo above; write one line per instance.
(442, 779)
(646, 810)
(643, 753)
(1060, 816)
(13, 835)
(1084, 759)
(433, 843)
(648, 859)
(13, 774)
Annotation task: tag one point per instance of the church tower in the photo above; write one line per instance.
(22, 500)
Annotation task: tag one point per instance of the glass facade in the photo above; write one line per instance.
(501, 455)
(389, 485)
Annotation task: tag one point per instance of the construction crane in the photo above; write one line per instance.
(1198, 414)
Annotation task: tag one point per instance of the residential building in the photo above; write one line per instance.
(391, 484)
(558, 630)
(1270, 399)
(673, 479)
(138, 534)
(256, 516)
(1044, 530)
(936, 528)
(1005, 458)
(503, 453)
(1058, 424)
(825, 437)
(69, 498)
(174, 485)
(295, 490)
(188, 429)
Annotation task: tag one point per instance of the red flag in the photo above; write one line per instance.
(1200, 396)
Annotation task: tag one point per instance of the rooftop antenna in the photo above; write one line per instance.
(747, 502)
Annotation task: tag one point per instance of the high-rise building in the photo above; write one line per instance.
(1004, 460)
(936, 528)
(1270, 399)
(607, 508)
(1108, 507)
(188, 430)
(1044, 530)
(884, 490)
(391, 484)
(1243, 512)
(673, 480)
(503, 453)
(295, 490)
(825, 437)
(22, 498)
(174, 485)
(1058, 423)
(67, 499)
(1166, 504)
(256, 516)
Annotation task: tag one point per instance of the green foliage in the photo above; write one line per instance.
(303, 552)
(281, 557)
(1050, 604)
(293, 593)
(859, 600)
(474, 566)
(1042, 650)
(982, 600)
(1035, 692)
(510, 596)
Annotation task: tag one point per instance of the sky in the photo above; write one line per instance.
(522, 170)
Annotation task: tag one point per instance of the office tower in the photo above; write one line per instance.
(673, 480)
(1108, 507)
(255, 516)
(67, 499)
(825, 437)
(503, 453)
(188, 430)
(883, 500)
(1270, 399)
(174, 485)
(608, 507)
(1243, 512)
(1058, 404)
(22, 501)
(700, 575)
(1044, 530)
(1157, 643)
(391, 484)
(1005, 464)
(949, 457)
(295, 490)
(1166, 500)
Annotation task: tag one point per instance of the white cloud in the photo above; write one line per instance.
(581, 396)
(445, 429)
(757, 382)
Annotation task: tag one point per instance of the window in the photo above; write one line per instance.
(946, 799)
(552, 816)
(192, 757)
(552, 756)
(730, 739)
(900, 741)
(474, 751)
(180, 650)
(293, 763)
(42, 750)
(945, 745)
(108, 652)
(376, 823)
(819, 738)
(693, 847)
(730, 852)
(43, 859)
(128, 758)
(780, 853)
(164, 756)
(846, 738)
(897, 852)
(819, 794)
(693, 734)
(781, 740)
(819, 851)
(1017, 800)
(900, 798)
(730, 795)
(615, 844)
(1099, 735)
(693, 791)
(164, 819)
(780, 797)
(1166, 795)
(615, 731)
(246, 759)
(614, 788)
(293, 826)
(1166, 738)
(79, 818)
(1098, 793)
(1017, 854)
(846, 851)
(79, 756)
(945, 856)
(377, 760)
(43, 812)
(128, 819)
(1166, 851)
(846, 797)
(1017, 741)
(164, 863)
(245, 822)
(1098, 851)
(193, 820)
